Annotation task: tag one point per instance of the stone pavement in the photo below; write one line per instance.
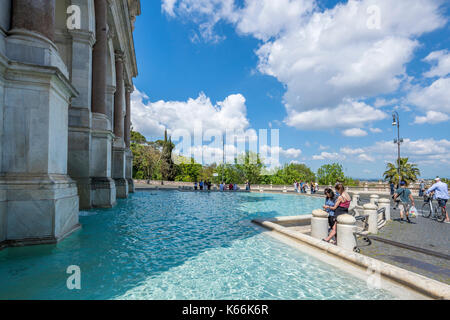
(423, 233)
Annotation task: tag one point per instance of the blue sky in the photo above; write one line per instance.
(315, 70)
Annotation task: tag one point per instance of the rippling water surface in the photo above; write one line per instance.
(177, 245)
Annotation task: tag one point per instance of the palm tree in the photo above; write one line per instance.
(409, 172)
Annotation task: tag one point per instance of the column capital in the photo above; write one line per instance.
(129, 88)
(119, 55)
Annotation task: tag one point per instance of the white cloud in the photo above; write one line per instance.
(326, 58)
(350, 151)
(168, 7)
(346, 115)
(356, 132)
(422, 151)
(432, 117)
(151, 118)
(380, 102)
(365, 157)
(442, 68)
(376, 130)
(268, 18)
(290, 153)
(435, 97)
(328, 156)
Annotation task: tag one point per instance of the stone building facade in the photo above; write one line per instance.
(66, 76)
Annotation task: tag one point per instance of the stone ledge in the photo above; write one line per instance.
(38, 241)
(414, 281)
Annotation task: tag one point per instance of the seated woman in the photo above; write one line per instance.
(330, 201)
(340, 207)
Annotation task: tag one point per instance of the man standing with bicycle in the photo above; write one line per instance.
(440, 190)
(404, 196)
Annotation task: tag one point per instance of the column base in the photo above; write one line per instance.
(39, 208)
(131, 187)
(121, 188)
(103, 192)
(2, 216)
(85, 193)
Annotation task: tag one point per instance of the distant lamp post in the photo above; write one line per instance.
(398, 141)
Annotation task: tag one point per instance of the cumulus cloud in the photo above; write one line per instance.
(376, 130)
(326, 58)
(350, 151)
(356, 132)
(168, 7)
(432, 117)
(290, 153)
(329, 156)
(152, 118)
(442, 68)
(347, 115)
(435, 97)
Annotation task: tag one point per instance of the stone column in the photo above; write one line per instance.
(119, 149)
(319, 224)
(99, 58)
(370, 210)
(35, 16)
(355, 199)
(41, 199)
(102, 184)
(2, 216)
(346, 225)
(127, 124)
(385, 203)
(374, 199)
(80, 116)
(129, 162)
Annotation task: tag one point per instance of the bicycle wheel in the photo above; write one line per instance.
(440, 215)
(426, 210)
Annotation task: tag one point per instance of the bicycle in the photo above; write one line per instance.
(428, 209)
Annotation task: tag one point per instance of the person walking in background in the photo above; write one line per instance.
(392, 186)
(312, 188)
(221, 186)
(201, 184)
(295, 186)
(404, 196)
(440, 190)
(421, 188)
(195, 185)
(316, 187)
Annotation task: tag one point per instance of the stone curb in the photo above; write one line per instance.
(424, 285)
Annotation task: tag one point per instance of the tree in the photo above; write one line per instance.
(249, 168)
(138, 138)
(189, 172)
(293, 172)
(168, 170)
(329, 174)
(408, 172)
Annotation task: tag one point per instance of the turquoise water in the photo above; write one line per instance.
(177, 245)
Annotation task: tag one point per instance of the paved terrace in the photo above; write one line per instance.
(422, 233)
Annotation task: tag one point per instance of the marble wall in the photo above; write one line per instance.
(2, 215)
(5, 8)
(48, 132)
